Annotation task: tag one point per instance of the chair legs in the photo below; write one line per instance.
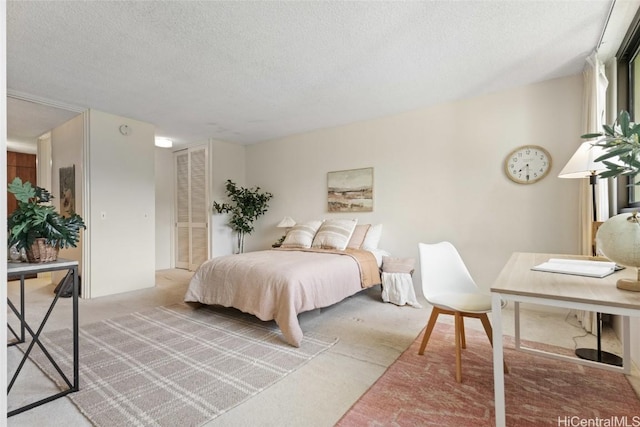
(430, 324)
(459, 334)
(463, 342)
(459, 326)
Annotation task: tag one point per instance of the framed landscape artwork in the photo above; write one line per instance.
(68, 191)
(350, 190)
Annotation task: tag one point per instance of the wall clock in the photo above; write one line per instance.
(527, 164)
(125, 130)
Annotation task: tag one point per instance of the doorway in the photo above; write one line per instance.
(23, 166)
(192, 213)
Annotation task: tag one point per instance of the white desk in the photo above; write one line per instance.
(518, 283)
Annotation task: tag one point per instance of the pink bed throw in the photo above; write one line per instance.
(280, 284)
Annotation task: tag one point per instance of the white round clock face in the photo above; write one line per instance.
(528, 164)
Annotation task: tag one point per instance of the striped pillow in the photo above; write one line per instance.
(301, 235)
(334, 234)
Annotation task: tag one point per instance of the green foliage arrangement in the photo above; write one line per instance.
(621, 141)
(35, 219)
(246, 205)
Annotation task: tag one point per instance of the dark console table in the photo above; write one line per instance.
(24, 269)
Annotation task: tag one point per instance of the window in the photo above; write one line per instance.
(629, 99)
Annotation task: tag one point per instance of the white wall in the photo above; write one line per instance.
(122, 206)
(44, 161)
(3, 196)
(164, 196)
(67, 148)
(438, 175)
(227, 161)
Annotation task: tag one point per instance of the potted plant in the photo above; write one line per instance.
(621, 141)
(36, 226)
(618, 238)
(246, 205)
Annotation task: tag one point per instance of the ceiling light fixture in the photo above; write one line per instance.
(164, 142)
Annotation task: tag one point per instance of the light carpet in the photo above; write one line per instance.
(175, 365)
(422, 390)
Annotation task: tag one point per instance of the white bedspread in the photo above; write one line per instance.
(276, 285)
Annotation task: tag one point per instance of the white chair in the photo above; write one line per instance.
(448, 286)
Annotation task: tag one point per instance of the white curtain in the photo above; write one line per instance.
(594, 110)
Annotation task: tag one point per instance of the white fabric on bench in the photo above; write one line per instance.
(397, 288)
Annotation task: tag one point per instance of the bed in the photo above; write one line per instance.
(278, 284)
(319, 264)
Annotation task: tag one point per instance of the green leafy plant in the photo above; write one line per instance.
(621, 141)
(34, 219)
(246, 205)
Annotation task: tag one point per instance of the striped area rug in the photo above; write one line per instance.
(175, 366)
(422, 390)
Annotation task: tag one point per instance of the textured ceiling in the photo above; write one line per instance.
(252, 71)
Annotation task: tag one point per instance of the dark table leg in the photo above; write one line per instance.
(36, 340)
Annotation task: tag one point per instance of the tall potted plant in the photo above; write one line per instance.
(37, 227)
(245, 206)
(619, 237)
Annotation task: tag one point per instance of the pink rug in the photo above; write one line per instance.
(422, 390)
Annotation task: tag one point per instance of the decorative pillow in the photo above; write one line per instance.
(398, 265)
(358, 236)
(301, 235)
(334, 234)
(372, 238)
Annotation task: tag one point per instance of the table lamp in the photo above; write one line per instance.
(287, 222)
(583, 165)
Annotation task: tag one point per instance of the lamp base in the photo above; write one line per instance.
(592, 354)
(628, 285)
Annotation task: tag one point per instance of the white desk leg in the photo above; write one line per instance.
(626, 345)
(498, 357)
(516, 314)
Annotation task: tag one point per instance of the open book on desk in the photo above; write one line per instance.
(578, 267)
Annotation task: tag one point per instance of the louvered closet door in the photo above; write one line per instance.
(192, 216)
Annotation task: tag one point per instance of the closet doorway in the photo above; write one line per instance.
(23, 166)
(192, 207)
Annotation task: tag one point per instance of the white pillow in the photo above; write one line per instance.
(334, 234)
(379, 254)
(372, 238)
(301, 235)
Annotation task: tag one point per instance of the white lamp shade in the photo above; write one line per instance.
(582, 164)
(286, 222)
